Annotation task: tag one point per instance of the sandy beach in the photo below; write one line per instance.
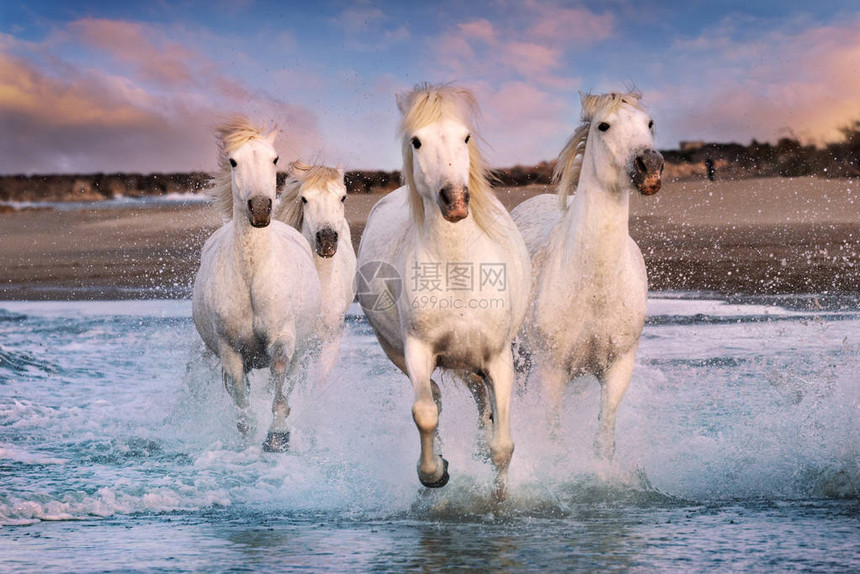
(757, 236)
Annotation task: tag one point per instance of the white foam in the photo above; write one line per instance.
(15, 453)
(162, 308)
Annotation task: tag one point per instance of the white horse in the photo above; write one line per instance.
(256, 296)
(313, 203)
(444, 274)
(588, 304)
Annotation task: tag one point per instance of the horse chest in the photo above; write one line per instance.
(460, 339)
(589, 327)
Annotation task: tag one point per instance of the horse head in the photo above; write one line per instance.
(440, 159)
(253, 174)
(317, 194)
(621, 138)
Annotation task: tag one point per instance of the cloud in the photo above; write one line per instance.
(367, 28)
(525, 124)
(569, 26)
(92, 100)
(802, 83)
(519, 67)
(480, 29)
(150, 110)
(132, 44)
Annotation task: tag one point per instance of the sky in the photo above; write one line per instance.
(107, 86)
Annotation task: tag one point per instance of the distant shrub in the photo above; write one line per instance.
(787, 158)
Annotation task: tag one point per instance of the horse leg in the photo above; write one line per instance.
(613, 385)
(500, 384)
(329, 351)
(478, 386)
(399, 361)
(283, 369)
(236, 382)
(552, 382)
(523, 364)
(420, 363)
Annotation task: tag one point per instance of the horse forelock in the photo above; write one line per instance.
(568, 168)
(427, 104)
(231, 134)
(593, 104)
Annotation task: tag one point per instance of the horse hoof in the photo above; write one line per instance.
(443, 480)
(277, 442)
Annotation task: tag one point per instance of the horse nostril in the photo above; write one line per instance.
(640, 165)
(326, 235)
(260, 205)
(445, 194)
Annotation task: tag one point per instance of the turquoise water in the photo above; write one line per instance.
(738, 448)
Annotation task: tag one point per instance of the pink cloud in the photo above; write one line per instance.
(480, 29)
(805, 84)
(530, 59)
(570, 26)
(531, 43)
(527, 120)
(134, 44)
(60, 116)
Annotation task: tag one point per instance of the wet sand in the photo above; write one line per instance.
(761, 236)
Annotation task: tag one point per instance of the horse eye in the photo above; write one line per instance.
(276, 160)
(416, 143)
(468, 137)
(232, 162)
(603, 126)
(304, 200)
(343, 199)
(651, 125)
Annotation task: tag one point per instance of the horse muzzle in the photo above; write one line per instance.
(260, 211)
(647, 172)
(326, 242)
(454, 203)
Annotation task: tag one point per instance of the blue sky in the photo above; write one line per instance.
(127, 86)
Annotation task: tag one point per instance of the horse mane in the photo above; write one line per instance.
(301, 176)
(232, 133)
(569, 165)
(426, 104)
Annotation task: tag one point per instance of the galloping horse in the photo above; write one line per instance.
(463, 267)
(313, 203)
(588, 304)
(256, 297)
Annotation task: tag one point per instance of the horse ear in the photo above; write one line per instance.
(583, 97)
(341, 172)
(271, 136)
(403, 102)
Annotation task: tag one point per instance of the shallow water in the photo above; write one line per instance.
(738, 448)
(118, 202)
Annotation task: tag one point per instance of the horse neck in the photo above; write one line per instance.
(452, 241)
(596, 222)
(252, 246)
(326, 268)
